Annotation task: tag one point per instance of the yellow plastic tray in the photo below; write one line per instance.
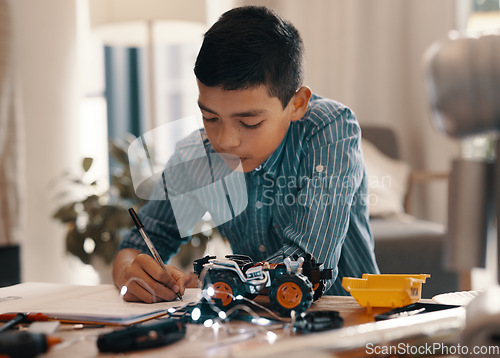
(385, 290)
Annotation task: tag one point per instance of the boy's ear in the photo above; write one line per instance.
(299, 102)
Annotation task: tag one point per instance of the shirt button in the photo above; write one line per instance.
(258, 204)
(319, 168)
(262, 248)
(258, 168)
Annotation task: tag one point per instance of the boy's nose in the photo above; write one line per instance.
(228, 138)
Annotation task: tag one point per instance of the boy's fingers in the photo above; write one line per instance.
(147, 290)
(142, 287)
(180, 277)
(169, 278)
(156, 271)
(136, 292)
(147, 281)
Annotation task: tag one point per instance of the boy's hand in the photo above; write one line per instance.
(145, 279)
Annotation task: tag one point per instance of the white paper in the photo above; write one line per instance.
(75, 303)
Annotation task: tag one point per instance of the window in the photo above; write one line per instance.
(484, 16)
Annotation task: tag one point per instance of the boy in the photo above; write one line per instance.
(300, 155)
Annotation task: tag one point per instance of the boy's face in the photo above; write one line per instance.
(248, 124)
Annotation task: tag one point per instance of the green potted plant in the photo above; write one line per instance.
(96, 219)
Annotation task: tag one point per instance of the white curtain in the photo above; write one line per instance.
(368, 55)
(45, 51)
(10, 127)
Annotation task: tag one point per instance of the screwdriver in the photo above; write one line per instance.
(25, 344)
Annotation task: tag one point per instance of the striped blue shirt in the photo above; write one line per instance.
(309, 196)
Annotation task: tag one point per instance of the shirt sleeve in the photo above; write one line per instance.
(158, 220)
(170, 216)
(330, 174)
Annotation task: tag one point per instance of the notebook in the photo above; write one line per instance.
(100, 304)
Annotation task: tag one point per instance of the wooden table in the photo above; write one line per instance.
(232, 339)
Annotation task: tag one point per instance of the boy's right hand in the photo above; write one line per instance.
(144, 278)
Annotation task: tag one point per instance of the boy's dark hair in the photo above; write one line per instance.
(251, 46)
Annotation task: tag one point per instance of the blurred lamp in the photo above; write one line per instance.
(464, 84)
(142, 22)
(463, 78)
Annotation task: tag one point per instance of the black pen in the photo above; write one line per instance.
(146, 238)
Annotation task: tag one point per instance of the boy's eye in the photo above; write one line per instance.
(213, 119)
(252, 125)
